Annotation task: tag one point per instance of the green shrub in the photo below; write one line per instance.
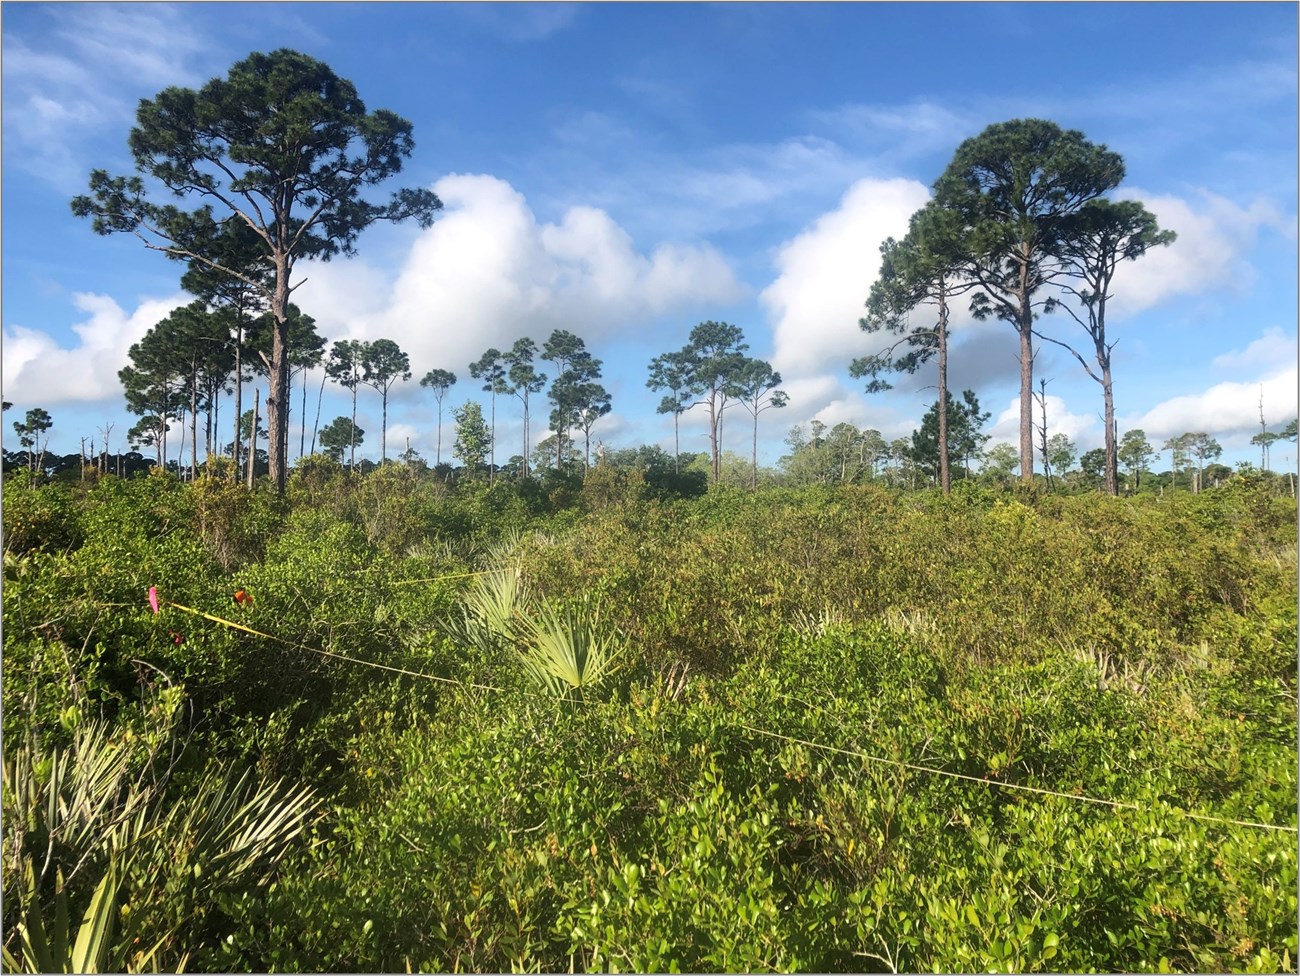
(832, 711)
(40, 517)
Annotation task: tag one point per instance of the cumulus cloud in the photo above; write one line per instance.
(1273, 347)
(826, 271)
(489, 272)
(1084, 429)
(36, 368)
(1228, 410)
(1214, 236)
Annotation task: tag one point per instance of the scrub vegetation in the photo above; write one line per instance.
(383, 721)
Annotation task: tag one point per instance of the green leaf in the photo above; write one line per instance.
(94, 937)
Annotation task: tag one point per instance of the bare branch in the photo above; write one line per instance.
(1082, 362)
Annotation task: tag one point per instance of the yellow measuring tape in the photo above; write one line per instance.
(1115, 804)
(1008, 786)
(317, 650)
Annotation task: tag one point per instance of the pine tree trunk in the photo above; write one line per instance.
(288, 414)
(1025, 326)
(276, 400)
(252, 437)
(352, 434)
(302, 439)
(180, 452)
(194, 426)
(525, 399)
(320, 396)
(677, 441)
(945, 474)
(239, 389)
(1026, 404)
(713, 435)
(1112, 461)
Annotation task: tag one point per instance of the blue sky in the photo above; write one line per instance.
(626, 171)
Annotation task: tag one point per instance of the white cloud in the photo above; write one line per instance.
(36, 369)
(899, 132)
(85, 74)
(522, 23)
(826, 272)
(399, 433)
(1214, 235)
(744, 177)
(1229, 410)
(146, 45)
(726, 187)
(488, 272)
(1273, 347)
(1083, 429)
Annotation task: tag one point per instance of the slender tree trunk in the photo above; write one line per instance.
(180, 451)
(319, 398)
(722, 412)
(277, 403)
(383, 429)
(1112, 448)
(714, 423)
(239, 388)
(1025, 326)
(945, 474)
(753, 477)
(1042, 403)
(302, 438)
(1026, 407)
(677, 441)
(439, 455)
(252, 437)
(194, 426)
(288, 414)
(352, 434)
(1263, 430)
(164, 416)
(492, 469)
(525, 398)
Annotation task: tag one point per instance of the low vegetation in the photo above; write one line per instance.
(384, 721)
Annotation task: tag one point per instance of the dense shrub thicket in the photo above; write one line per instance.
(759, 785)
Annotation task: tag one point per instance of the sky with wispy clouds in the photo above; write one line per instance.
(626, 171)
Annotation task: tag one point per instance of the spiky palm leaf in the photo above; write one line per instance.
(494, 606)
(568, 652)
(94, 807)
